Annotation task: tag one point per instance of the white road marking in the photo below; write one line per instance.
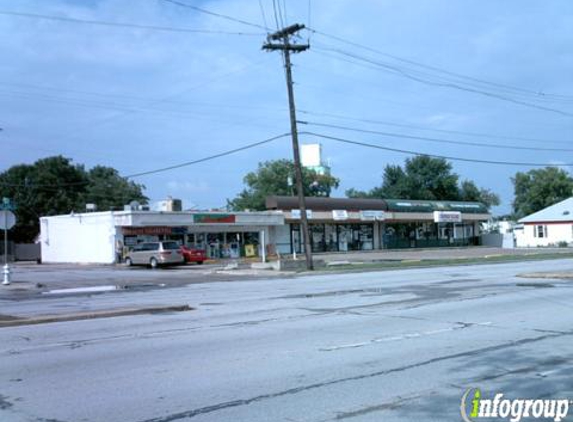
(402, 337)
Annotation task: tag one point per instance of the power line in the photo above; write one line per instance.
(263, 13)
(154, 171)
(393, 68)
(123, 24)
(278, 21)
(129, 108)
(285, 12)
(122, 114)
(454, 132)
(125, 97)
(211, 157)
(219, 15)
(410, 152)
(437, 140)
(446, 84)
(438, 69)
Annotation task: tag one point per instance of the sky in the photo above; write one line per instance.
(420, 71)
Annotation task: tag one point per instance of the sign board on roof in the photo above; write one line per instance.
(213, 218)
(152, 230)
(447, 217)
(339, 215)
(295, 214)
(372, 215)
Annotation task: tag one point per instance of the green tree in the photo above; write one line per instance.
(272, 178)
(54, 186)
(470, 192)
(538, 189)
(108, 190)
(49, 186)
(429, 178)
(424, 177)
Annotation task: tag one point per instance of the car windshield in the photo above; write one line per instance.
(170, 245)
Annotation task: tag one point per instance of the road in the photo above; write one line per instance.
(392, 346)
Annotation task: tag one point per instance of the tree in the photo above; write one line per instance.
(538, 189)
(429, 178)
(49, 186)
(470, 192)
(272, 178)
(426, 178)
(108, 190)
(54, 186)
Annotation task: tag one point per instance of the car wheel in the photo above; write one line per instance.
(128, 262)
(199, 262)
(153, 263)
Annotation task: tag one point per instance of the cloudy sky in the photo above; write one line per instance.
(138, 99)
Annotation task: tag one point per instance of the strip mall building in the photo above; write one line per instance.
(336, 225)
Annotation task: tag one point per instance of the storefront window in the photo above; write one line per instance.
(296, 239)
(251, 245)
(366, 237)
(355, 237)
(317, 237)
(215, 243)
(232, 246)
(344, 237)
(331, 237)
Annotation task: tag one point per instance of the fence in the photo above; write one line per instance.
(20, 252)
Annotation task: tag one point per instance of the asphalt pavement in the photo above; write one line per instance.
(393, 346)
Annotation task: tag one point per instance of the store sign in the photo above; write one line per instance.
(295, 214)
(213, 218)
(447, 217)
(339, 215)
(152, 230)
(372, 215)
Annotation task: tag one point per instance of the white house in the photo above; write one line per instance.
(549, 227)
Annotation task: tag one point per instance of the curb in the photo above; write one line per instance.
(11, 321)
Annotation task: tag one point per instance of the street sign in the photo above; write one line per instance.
(7, 220)
(6, 204)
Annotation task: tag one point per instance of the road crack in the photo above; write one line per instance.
(296, 390)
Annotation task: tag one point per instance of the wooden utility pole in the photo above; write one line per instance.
(282, 43)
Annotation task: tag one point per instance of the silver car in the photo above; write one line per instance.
(155, 254)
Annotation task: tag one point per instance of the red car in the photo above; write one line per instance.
(193, 255)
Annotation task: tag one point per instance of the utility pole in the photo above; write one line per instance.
(282, 43)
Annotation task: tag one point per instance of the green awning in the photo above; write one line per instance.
(403, 205)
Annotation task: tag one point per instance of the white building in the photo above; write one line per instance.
(336, 225)
(551, 226)
(96, 237)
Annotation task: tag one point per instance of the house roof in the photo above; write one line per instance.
(561, 211)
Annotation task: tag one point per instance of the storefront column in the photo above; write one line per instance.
(376, 235)
(262, 242)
